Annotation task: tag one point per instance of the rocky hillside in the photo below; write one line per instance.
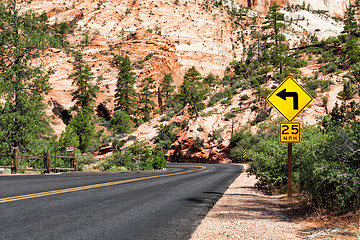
(163, 37)
(333, 7)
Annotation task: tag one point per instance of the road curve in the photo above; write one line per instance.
(150, 205)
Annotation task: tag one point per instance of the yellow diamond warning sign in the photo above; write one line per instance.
(289, 132)
(289, 98)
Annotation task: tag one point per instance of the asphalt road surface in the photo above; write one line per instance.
(167, 204)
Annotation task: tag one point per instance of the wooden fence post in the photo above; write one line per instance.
(48, 161)
(45, 163)
(55, 159)
(12, 160)
(71, 161)
(75, 163)
(16, 159)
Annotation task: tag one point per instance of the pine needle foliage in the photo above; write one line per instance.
(146, 105)
(23, 35)
(125, 94)
(85, 94)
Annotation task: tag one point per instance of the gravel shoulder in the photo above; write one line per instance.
(246, 213)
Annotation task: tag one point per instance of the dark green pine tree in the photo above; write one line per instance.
(120, 123)
(351, 27)
(211, 80)
(192, 75)
(165, 93)
(85, 94)
(275, 22)
(22, 86)
(351, 34)
(84, 97)
(193, 92)
(146, 96)
(125, 94)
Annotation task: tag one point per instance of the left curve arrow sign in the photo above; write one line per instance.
(283, 94)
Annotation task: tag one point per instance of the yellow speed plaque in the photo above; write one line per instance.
(289, 132)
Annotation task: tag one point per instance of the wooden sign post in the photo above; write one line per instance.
(289, 99)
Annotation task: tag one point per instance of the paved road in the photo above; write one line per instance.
(112, 206)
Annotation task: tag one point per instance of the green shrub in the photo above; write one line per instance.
(262, 116)
(329, 68)
(297, 63)
(229, 116)
(244, 97)
(327, 56)
(166, 136)
(197, 143)
(348, 90)
(216, 135)
(167, 116)
(148, 56)
(120, 123)
(325, 166)
(311, 86)
(137, 157)
(200, 129)
(325, 84)
(159, 161)
(218, 96)
(244, 139)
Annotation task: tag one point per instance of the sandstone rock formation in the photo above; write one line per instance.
(335, 8)
(163, 37)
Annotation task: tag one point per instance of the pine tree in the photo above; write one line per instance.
(351, 27)
(351, 50)
(22, 86)
(146, 96)
(84, 128)
(275, 22)
(125, 96)
(68, 138)
(211, 80)
(120, 123)
(166, 90)
(192, 75)
(193, 92)
(351, 35)
(84, 96)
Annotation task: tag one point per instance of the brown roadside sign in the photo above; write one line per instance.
(70, 149)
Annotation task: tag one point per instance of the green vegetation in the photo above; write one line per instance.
(166, 136)
(193, 92)
(326, 164)
(125, 96)
(24, 35)
(166, 92)
(197, 143)
(120, 123)
(82, 125)
(275, 22)
(139, 156)
(146, 105)
(22, 85)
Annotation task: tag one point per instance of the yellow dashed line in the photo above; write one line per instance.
(75, 189)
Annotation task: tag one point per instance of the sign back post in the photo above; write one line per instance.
(289, 99)
(289, 170)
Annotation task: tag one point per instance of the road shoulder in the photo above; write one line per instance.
(246, 213)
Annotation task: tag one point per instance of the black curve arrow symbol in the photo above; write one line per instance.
(283, 94)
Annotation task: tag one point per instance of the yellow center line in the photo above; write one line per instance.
(75, 189)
